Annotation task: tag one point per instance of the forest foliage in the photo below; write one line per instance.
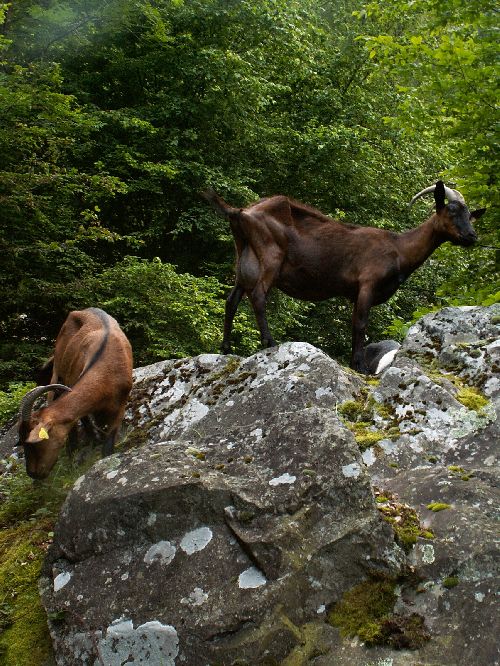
(114, 115)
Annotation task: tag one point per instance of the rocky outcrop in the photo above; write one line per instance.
(244, 511)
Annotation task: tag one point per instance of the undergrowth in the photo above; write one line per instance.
(28, 512)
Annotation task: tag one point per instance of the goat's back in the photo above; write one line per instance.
(91, 339)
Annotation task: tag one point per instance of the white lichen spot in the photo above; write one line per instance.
(321, 609)
(196, 540)
(112, 474)
(251, 578)
(319, 393)
(351, 471)
(315, 584)
(79, 482)
(151, 642)
(284, 478)
(163, 552)
(123, 481)
(230, 403)
(369, 457)
(124, 576)
(196, 598)
(257, 433)
(428, 555)
(479, 596)
(151, 519)
(61, 580)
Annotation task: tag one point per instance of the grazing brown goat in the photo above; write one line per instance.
(92, 367)
(286, 244)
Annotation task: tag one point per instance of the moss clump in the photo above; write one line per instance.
(27, 515)
(363, 609)
(367, 438)
(366, 611)
(451, 581)
(353, 410)
(461, 472)
(438, 506)
(405, 523)
(471, 398)
(25, 638)
(405, 632)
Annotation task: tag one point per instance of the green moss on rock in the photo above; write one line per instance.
(471, 398)
(405, 523)
(363, 609)
(27, 515)
(366, 611)
(451, 581)
(438, 506)
(25, 639)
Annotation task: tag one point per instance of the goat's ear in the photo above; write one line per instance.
(476, 214)
(439, 196)
(39, 433)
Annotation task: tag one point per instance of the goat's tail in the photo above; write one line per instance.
(219, 205)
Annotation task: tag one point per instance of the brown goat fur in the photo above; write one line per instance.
(92, 363)
(286, 244)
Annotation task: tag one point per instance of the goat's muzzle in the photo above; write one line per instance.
(468, 239)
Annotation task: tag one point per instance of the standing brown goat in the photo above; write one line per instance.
(286, 244)
(94, 357)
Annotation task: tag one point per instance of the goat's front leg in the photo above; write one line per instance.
(232, 303)
(360, 315)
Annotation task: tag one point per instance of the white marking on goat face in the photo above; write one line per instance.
(284, 478)
(386, 360)
(162, 552)
(196, 540)
(251, 578)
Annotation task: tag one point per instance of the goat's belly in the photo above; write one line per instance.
(305, 289)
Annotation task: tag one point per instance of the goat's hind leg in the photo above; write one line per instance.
(258, 299)
(232, 302)
(114, 421)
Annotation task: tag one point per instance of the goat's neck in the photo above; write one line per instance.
(68, 408)
(417, 245)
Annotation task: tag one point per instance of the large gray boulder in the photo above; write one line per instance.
(245, 513)
(440, 401)
(244, 509)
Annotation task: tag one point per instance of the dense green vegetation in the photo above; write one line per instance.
(116, 113)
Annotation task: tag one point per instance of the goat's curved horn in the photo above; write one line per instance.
(26, 406)
(451, 195)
